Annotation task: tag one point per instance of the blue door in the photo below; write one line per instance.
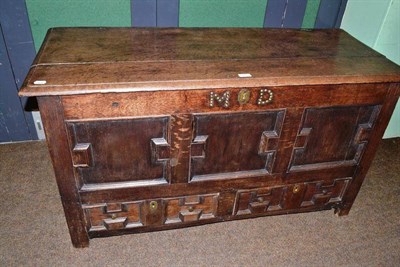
(16, 55)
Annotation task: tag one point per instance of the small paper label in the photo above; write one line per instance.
(244, 75)
(39, 82)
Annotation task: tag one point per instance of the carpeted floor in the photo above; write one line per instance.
(33, 230)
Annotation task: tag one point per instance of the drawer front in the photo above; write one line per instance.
(308, 195)
(190, 208)
(154, 212)
(113, 151)
(172, 212)
(114, 216)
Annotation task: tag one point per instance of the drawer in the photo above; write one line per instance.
(154, 212)
(190, 208)
(114, 216)
(300, 196)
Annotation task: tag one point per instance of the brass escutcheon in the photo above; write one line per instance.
(296, 188)
(190, 209)
(243, 96)
(153, 205)
(113, 216)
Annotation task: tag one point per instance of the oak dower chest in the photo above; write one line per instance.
(152, 129)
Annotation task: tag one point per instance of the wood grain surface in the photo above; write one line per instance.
(121, 60)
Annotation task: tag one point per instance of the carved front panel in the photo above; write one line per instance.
(120, 150)
(235, 145)
(114, 216)
(190, 208)
(321, 193)
(330, 137)
(318, 194)
(259, 200)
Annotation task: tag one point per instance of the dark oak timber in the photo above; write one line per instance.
(154, 129)
(362, 169)
(53, 121)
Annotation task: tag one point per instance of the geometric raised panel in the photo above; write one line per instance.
(120, 150)
(269, 142)
(302, 138)
(198, 146)
(114, 216)
(331, 137)
(299, 196)
(190, 208)
(82, 155)
(362, 135)
(321, 193)
(235, 145)
(259, 200)
(160, 149)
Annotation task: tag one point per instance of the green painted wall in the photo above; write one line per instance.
(388, 40)
(233, 13)
(311, 14)
(222, 13)
(44, 14)
(377, 24)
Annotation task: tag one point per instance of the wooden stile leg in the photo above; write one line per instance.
(53, 120)
(380, 127)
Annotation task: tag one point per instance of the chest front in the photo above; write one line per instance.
(162, 138)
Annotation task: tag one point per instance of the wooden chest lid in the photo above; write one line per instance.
(92, 60)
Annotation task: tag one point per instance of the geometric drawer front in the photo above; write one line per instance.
(114, 216)
(259, 200)
(321, 193)
(316, 194)
(190, 208)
